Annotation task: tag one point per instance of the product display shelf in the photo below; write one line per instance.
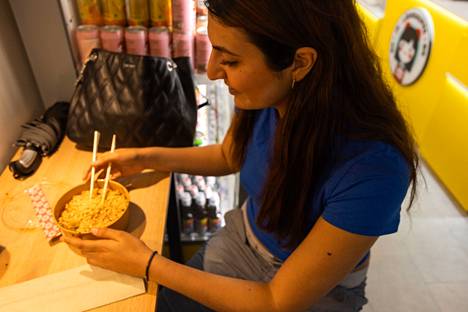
(203, 201)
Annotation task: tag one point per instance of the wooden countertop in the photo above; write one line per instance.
(28, 255)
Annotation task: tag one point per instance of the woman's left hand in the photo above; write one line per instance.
(114, 250)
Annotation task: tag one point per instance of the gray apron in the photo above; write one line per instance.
(234, 251)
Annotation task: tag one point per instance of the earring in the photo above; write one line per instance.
(293, 83)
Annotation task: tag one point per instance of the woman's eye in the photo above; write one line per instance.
(228, 63)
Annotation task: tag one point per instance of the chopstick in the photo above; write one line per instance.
(106, 181)
(97, 136)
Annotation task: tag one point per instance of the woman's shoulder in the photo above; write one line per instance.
(370, 153)
(364, 161)
(364, 193)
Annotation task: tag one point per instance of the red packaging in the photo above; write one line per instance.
(202, 52)
(183, 16)
(112, 38)
(87, 38)
(136, 40)
(159, 42)
(202, 45)
(182, 45)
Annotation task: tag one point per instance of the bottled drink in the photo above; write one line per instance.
(201, 185)
(186, 182)
(214, 223)
(198, 178)
(137, 12)
(200, 182)
(182, 45)
(87, 37)
(208, 192)
(135, 39)
(201, 7)
(186, 213)
(211, 182)
(113, 12)
(193, 190)
(161, 13)
(200, 215)
(214, 215)
(183, 16)
(159, 42)
(185, 202)
(183, 176)
(90, 12)
(202, 45)
(188, 224)
(112, 38)
(179, 190)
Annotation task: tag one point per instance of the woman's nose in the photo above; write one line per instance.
(214, 71)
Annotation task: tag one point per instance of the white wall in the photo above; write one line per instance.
(44, 36)
(19, 97)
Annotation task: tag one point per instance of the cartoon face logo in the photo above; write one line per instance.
(410, 46)
(407, 46)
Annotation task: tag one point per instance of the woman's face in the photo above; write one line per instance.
(243, 68)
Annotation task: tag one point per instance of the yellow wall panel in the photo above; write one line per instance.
(459, 63)
(419, 100)
(436, 105)
(446, 139)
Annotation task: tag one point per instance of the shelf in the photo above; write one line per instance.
(194, 237)
(184, 238)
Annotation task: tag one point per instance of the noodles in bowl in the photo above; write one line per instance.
(75, 213)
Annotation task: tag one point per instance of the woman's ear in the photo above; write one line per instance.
(304, 60)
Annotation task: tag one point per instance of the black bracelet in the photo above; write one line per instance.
(149, 264)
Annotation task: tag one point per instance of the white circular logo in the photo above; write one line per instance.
(410, 46)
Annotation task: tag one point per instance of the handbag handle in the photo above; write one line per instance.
(91, 58)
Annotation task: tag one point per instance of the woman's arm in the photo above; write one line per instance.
(320, 262)
(212, 160)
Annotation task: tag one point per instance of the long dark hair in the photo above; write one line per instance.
(344, 95)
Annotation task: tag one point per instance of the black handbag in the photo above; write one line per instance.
(144, 100)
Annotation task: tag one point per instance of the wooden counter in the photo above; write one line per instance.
(28, 255)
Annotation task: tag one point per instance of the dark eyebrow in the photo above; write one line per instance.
(224, 50)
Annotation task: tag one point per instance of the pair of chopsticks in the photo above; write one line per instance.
(97, 136)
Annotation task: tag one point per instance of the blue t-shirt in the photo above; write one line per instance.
(361, 191)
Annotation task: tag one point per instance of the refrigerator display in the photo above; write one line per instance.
(203, 201)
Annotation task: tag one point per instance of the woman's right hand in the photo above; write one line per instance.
(124, 162)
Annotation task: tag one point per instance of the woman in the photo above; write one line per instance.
(323, 153)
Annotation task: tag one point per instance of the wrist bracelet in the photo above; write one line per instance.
(149, 264)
